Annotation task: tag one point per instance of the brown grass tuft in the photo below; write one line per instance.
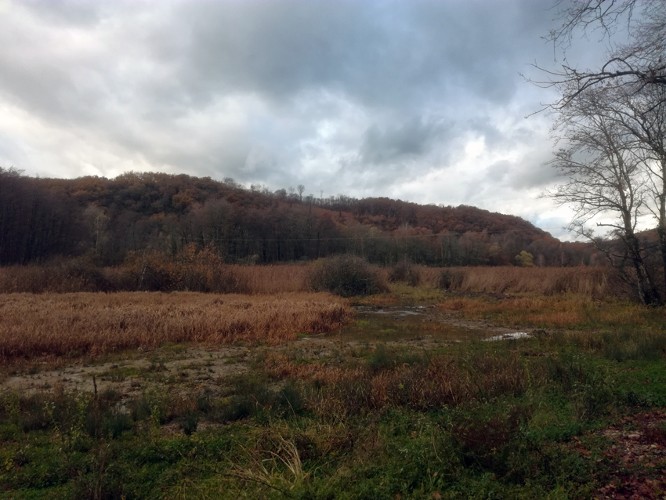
(424, 385)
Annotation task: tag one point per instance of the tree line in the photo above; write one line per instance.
(110, 220)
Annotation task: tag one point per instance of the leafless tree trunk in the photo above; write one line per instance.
(606, 180)
(612, 125)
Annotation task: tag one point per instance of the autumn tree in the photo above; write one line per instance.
(36, 222)
(524, 259)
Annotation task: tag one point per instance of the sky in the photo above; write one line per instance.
(419, 100)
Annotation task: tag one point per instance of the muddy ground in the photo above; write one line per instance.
(419, 328)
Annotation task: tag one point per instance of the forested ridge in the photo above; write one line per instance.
(111, 219)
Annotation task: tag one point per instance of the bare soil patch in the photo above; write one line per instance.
(192, 367)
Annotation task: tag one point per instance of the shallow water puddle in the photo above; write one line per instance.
(414, 323)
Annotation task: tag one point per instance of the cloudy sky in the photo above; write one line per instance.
(420, 100)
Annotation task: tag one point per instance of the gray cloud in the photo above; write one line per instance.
(380, 97)
(391, 142)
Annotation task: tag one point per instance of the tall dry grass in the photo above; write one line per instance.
(273, 278)
(591, 281)
(153, 274)
(201, 272)
(92, 323)
(428, 383)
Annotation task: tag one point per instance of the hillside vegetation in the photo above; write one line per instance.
(110, 221)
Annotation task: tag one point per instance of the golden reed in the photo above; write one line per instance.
(84, 324)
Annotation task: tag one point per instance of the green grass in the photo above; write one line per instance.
(472, 419)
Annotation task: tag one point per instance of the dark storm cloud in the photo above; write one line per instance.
(396, 141)
(376, 53)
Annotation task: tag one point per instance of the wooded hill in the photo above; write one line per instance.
(111, 219)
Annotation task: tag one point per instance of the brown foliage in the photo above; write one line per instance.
(92, 324)
(197, 271)
(590, 281)
(423, 385)
(406, 272)
(109, 219)
(273, 278)
(346, 275)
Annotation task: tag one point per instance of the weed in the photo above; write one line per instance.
(189, 423)
(485, 433)
(278, 467)
(381, 359)
(450, 280)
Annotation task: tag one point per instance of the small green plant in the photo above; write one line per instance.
(346, 275)
(381, 359)
(189, 423)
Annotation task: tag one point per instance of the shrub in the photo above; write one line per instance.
(195, 270)
(450, 279)
(58, 275)
(346, 275)
(406, 272)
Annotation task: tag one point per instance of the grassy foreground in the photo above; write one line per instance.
(367, 411)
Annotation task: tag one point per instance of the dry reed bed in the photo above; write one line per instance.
(567, 311)
(91, 323)
(79, 276)
(273, 278)
(591, 281)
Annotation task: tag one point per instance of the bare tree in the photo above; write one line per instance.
(637, 61)
(607, 182)
(643, 118)
(612, 128)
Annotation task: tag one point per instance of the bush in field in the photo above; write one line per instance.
(406, 272)
(450, 279)
(524, 259)
(81, 274)
(346, 275)
(194, 270)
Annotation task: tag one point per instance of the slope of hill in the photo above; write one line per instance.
(109, 219)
